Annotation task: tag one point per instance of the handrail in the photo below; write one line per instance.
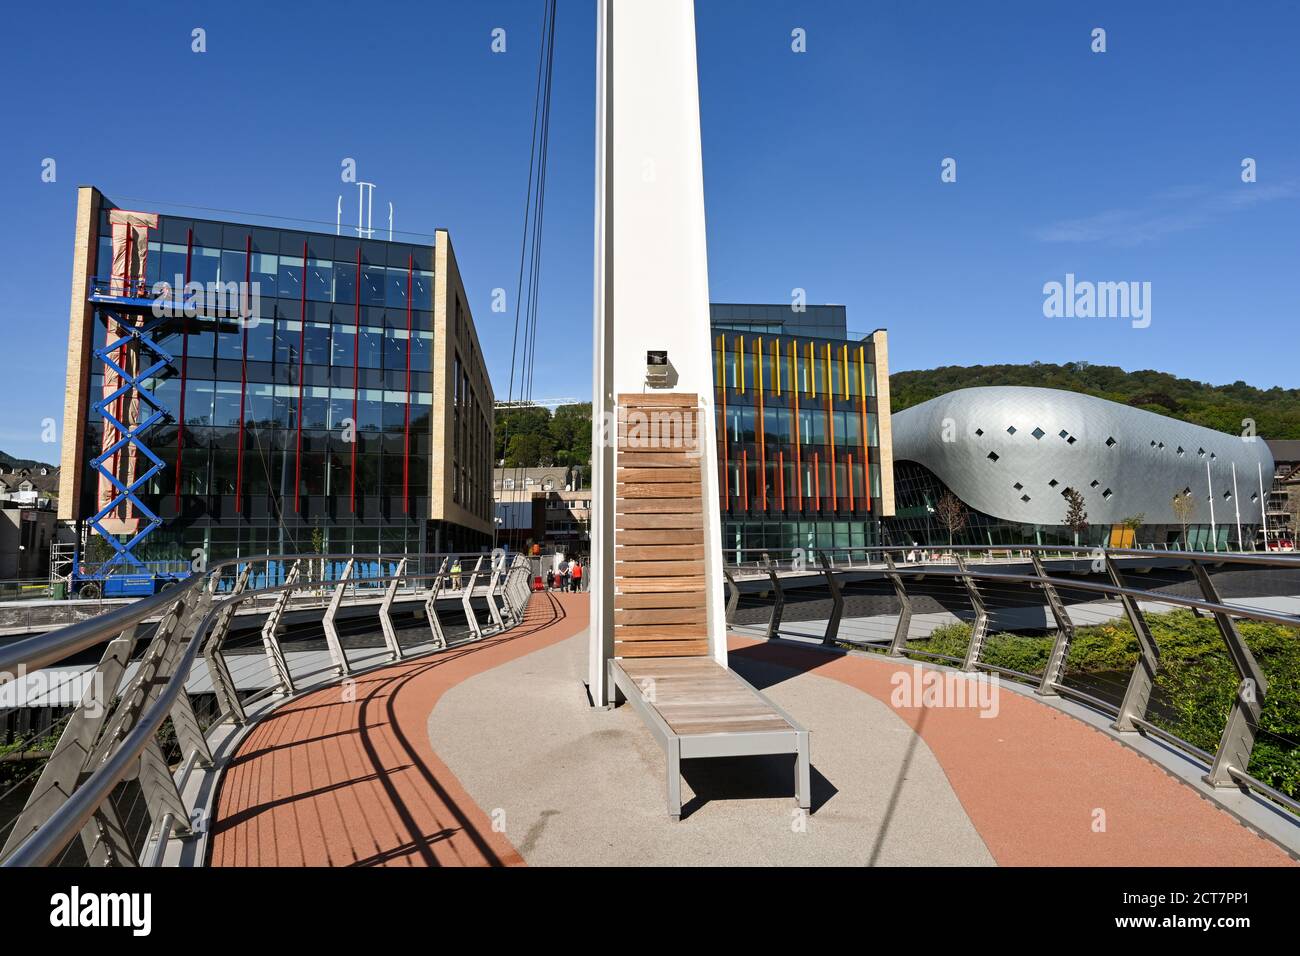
(43, 846)
(1236, 744)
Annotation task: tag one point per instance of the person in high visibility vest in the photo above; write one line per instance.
(455, 574)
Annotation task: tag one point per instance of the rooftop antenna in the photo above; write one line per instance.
(338, 218)
(365, 209)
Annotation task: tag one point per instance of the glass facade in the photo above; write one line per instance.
(798, 439)
(917, 521)
(308, 424)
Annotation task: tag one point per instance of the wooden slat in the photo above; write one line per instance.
(657, 399)
(664, 506)
(662, 615)
(646, 475)
(650, 519)
(656, 459)
(697, 648)
(657, 569)
(660, 552)
(659, 600)
(658, 632)
(627, 491)
(659, 585)
(629, 537)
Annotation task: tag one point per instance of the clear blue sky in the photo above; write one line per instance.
(821, 169)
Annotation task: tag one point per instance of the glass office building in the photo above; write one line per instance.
(803, 437)
(338, 402)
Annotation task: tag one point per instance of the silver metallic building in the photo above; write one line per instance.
(1009, 453)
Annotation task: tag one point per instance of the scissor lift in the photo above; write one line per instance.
(131, 354)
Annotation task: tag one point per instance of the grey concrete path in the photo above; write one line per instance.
(573, 785)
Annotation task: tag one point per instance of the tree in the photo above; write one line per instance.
(1076, 515)
(952, 515)
(1184, 512)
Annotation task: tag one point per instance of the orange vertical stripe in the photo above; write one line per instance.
(862, 394)
(798, 442)
(762, 434)
(830, 427)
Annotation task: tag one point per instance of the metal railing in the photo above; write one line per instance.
(968, 575)
(113, 736)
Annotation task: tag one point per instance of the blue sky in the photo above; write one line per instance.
(822, 169)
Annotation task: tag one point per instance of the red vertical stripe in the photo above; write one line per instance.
(406, 416)
(356, 357)
(726, 439)
(185, 362)
(302, 347)
(744, 477)
(817, 479)
(243, 374)
(780, 478)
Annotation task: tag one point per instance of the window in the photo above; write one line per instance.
(1107, 493)
(1053, 483)
(1024, 498)
(1038, 434)
(1018, 486)
(1110, 442)
(979, 432)
(993, 456)
(1011, 429)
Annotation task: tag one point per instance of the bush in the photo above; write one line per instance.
(1195, 683)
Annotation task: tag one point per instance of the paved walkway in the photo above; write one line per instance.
(489, 754)
(332, 781)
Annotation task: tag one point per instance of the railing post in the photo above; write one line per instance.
(431, 608)
(1238, 740)
(337, 654)
(71, 756)
(1138, 694)
(385, 607)
(465, 601)
(161, 798)
(980, 627)
(271, 631)
(494, 579)
(778, 603)
(899, 643)
(837, 600)
(1055, 668)
(733, 596)
(223, 685)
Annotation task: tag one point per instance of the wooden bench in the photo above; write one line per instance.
(694, 706)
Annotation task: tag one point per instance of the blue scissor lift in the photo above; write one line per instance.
(131, 320)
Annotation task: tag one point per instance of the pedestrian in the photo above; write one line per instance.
(568, 576)
(577, 575)
(455, 574)
(550, 578)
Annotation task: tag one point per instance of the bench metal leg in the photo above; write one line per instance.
(803, 773)
(674, 754)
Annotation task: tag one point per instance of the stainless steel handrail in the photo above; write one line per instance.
(45, 844)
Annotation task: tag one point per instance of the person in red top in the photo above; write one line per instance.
(577, 575)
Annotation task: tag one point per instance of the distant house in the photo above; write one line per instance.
(28, 485)
(27, 520)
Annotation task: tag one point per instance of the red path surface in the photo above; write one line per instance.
(1031, 778)
(329, 782)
